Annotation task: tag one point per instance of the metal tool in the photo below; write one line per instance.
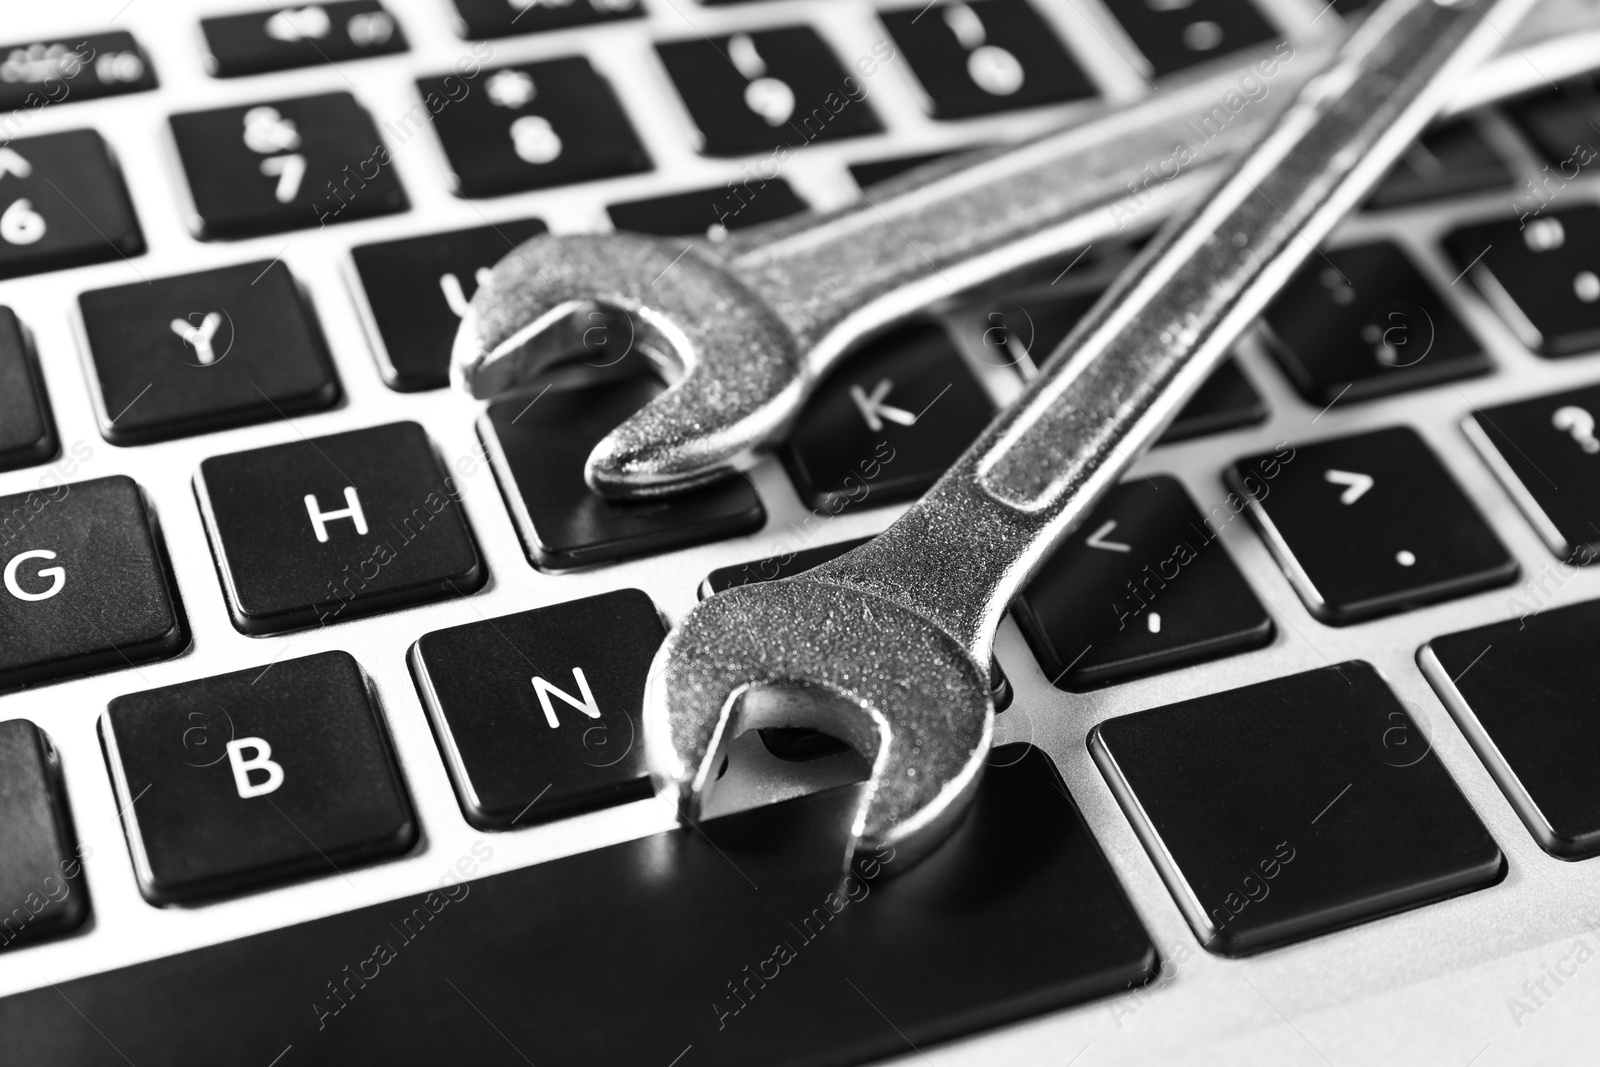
(750, 324)
(887, 647)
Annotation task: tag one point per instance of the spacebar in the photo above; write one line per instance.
(740, 944)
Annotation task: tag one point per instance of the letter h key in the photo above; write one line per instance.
(351, 510)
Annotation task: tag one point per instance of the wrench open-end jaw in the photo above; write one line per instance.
(749, 324)
(745, 327)
(736, 367)
(887, 646)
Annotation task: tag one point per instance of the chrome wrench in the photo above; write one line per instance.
(750, 324)
(888, 646)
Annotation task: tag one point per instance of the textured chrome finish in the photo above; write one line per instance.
(748, 325)
(888, 646)
(752, 322)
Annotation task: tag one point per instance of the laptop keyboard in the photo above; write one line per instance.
(300, 645)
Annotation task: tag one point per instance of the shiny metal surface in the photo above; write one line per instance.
(889, 644)
(1430, 986)
(749, 324)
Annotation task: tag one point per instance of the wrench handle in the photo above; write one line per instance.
(968, 219)
(961, 554)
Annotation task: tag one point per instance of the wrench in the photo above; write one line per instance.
(887, 647)
(751, 324)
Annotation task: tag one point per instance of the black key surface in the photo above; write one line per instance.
(1547, 455)
(532, 126)
(881, 170)
(63, 204)
(538, 713)
(538, 443)
(502, 18)
(1541, 274)
(1173, 36)
(1368, 525)
(1559, 123)
(985, 56)
(60, 71)
(417, 289)
(27, 432)
(259, 776)
(771, 568)
(1143, 586)
(198, 352)
(760, 91)
(1033, 327)
(1362, 322)
(1295, 807)
(281, 38)
(285, 165)
(938, 949)
(1224, 401)
(86, 585)
(1450, 160)
(42, 890)
(324, 529)
(716, 210)
(884, 425)
(1523, 693)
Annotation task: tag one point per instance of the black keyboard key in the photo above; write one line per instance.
(1450, 160)
(938, 949)
(1143, 586)
(324, 529)
(198, 352)
(1522, 692)
(502, 18)
(538, 714)
(27, 432)
(1178, 35)
(1362, 322)
(533, 126)
(42, 890)
(985, 56)
(538, 444)
(1368, 525)
(281, 38)
(63, 204)
(86, 585)
(259, 776)
(1547, 455)
(754, 92)
(881, 170)
(710, 212)
(285, 165)
(772, 568)
(417, 288)
(36, 73)
(1030, 329)
(863, 436)
(1272, 811)
(1224, 401)
(1560, 123)
(1541, 274)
